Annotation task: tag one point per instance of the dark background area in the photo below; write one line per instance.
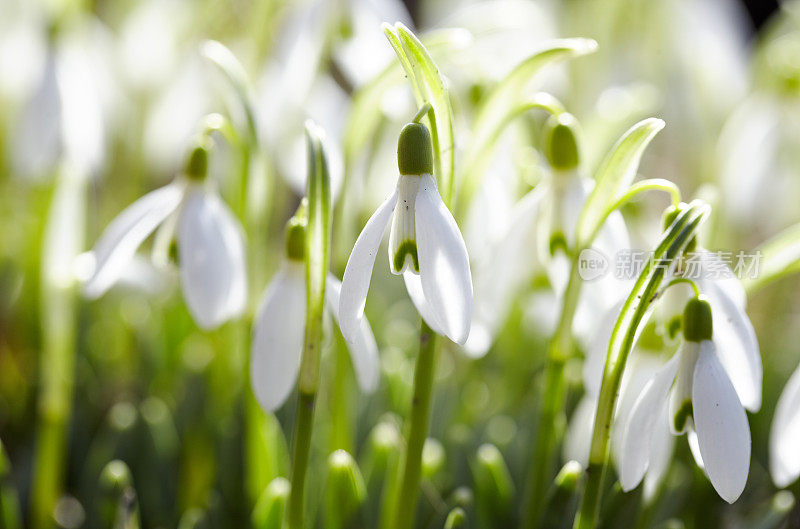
(759, 10)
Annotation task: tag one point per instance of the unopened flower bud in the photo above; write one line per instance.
(415, 150)
(268, 512)
(346, 490)
(494, 486)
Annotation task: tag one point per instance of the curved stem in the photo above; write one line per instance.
(419, 416)
(622, 339)
(683, 280)
(650, 184)
(551, 411)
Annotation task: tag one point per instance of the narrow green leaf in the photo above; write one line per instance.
(508, 100)
(615, 174)
(227, 63)
(428, 87)
(778, 257)
(318, 235)
(363, 119)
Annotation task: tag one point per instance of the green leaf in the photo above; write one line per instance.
(778, 257)
(227, 63)
(318, 234)
(615, 174)
(508, 100)
(363, 119)
(428, 87)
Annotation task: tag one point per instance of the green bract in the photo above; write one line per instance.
(615, 174)
(429, 87)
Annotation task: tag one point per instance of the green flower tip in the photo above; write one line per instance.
(697, 321)
(197, 162)
(346, 487)
(268, 512)
(561, 144)
(569, 475)
(296, 238)
(456, 518)
(415, 150)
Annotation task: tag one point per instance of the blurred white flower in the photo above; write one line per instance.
(278, 332)
(425, 245)
(784, 438)
(210, 245)
(540, 227)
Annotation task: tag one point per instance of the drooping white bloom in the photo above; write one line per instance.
(210, 245)
(784, 457)
(540, 228)
(425, 246)
(277, 344)
(694, 394)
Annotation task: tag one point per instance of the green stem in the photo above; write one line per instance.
(63, 240)
(551, 410)
(300, 455)
(419, 417)
(623, 336)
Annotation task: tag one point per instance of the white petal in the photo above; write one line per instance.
(278, 337)
(714, 269)
(578, 438)
(694, 448)
(661, 447)
(443, 262)
(211, 255)
(721, 424)
(642, 425)
(414, 288)
(358, 272)
(736, 343)
(504, 266)
(784, 440)
(118, 244)
(364, 349)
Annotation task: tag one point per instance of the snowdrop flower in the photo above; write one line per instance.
(425, 246)
(784, 457)
(278, 332)
(693, 394)
(210, 244)
(539, 231)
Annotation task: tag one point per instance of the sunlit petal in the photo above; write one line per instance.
(443, 262)
(211, 255)
(736, 343)
(278, 336)
(358, 272)
(639, 431)
(118, 244)
(723, 433)
(364, 349)
(578, 437)
(784, 454)
(414, 288)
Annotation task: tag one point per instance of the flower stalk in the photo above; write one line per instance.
(644, 293)
(317, 256)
